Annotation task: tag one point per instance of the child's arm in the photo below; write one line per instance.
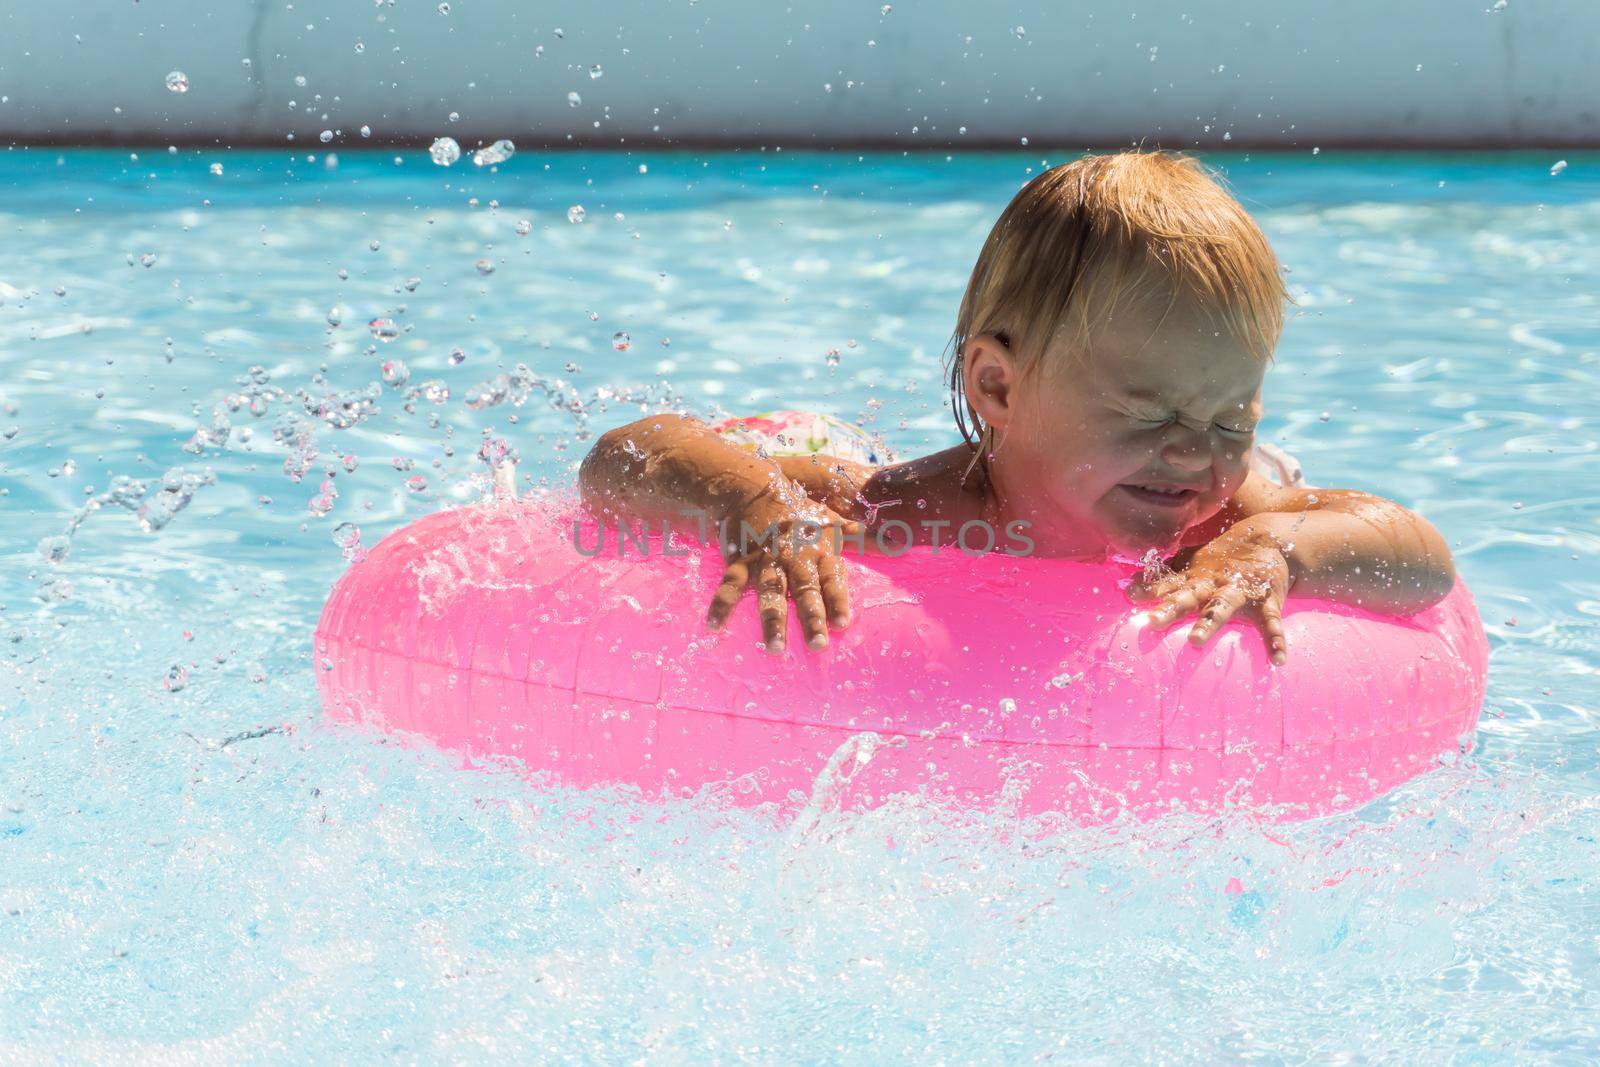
(1336, 544)
(672, 467)
(832, 481)
(668, 467)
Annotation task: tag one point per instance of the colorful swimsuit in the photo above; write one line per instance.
(805, 433)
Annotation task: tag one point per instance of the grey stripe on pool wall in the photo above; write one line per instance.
(934, 73)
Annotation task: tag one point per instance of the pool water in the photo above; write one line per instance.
(193, 404)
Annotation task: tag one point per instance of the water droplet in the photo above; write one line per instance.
(832, 357)
(573, 99)
(457, 357)
(444, 151)
(54, 549)
(374, 244)
(216, 168)
(485, 267)
(1019, 32)
(559, 32)
(1325, 416)
(575, 213)
(177, 82)
(360, 48)
(417, 483)
(620, 341)
(644, 168)
(454, 116)
(300, 80)
(148, 259)
(395, 373)
(177, 677)
(444, 9)
(366, 131)
(412, 283)
(323, 502)
(498, 152)
(524, 227)
(384, 329)
(347, 535)
(335, 316)
(885, 9)
(325, 136)
(1560, 166)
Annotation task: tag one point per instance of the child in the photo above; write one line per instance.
(1108, 361)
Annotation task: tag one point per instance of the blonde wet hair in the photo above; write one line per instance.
(1083, 239)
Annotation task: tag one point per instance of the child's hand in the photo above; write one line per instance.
(799, 561)
(1242, 568)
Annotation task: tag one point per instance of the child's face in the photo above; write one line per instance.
(1145, 436)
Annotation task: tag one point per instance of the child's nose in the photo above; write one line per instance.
(1187, 449)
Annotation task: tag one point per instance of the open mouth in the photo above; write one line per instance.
(1164, 496)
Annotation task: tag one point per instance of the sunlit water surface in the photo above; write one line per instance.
(193, 864)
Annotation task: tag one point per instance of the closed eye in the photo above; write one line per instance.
(1154, 421)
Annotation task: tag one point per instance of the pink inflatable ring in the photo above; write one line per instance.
(496, 630)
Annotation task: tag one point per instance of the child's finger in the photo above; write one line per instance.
(1186, 601)
(835, 589)
(1183, 602)
(1218, 611)
(1140, 589)
(806, 590)
(729, 593)
(772, 601)
(1272, 627)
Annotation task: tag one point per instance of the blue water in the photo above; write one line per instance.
(194, 867)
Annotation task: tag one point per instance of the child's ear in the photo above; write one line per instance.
(990, 375)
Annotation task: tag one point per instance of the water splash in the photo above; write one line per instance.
(495, 154)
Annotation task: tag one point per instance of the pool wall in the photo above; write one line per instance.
(1176, 72)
